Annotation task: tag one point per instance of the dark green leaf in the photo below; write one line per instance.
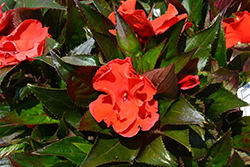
(38, 4)
(219, 153)
(106, 12)
(75, 34)
(241, 138)
(182, 112)
(4, 109)
(203, 40)
(127, 40)
(194, 10)
(156, 154)
(4, 71)
(83, 49)
(8, 5)
(237, 160)
(108, 46)
(50, 43)
(49, 160)
(111, 149)
(66, 148)
(45, 59)
(56, 100)
(30, 113)
(88, 123)
(178, 133)
(163, 105)
(23, 159)
(223, 100)
(165, 81)
(220, 48)
(180, 60)
(150, 58)
(188, 161)
(96, 20)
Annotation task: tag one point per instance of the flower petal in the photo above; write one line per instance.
(188, 82)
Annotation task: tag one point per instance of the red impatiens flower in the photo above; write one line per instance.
(4, 19)
(189, 82)
(24, 42)
(236, 29)
(128, 104)
(139, 23)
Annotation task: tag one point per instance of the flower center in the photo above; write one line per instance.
(125, 96)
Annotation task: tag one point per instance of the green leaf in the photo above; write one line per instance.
(45, 59)
(83, 49)
(165, 81)
(88, 123)
(194, 10)
(84, 147)
(112, 149)
(38, 4)
(180, 60)
(4, 109)
(56, 100)
(188, 161)
(150, 58)
(66, 148)
(203, 40)
(30, 113)
(182, 112)
(127, 40)
(163, 105)
(23, 159)
(52, 44)
(96, 20)
(49, 160)
(219, 48)
(12, 149)
(156, 154)
(8, 5)
(241, 138)
(237, 160)
(108, 45)
(223, 101)
(106, 12)
(4, 71)
(219, 153)
(74, 26)
(178, 133)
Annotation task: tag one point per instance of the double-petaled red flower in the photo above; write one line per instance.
(22, 42)
(128, 104)
(236, 29)
(139, 22)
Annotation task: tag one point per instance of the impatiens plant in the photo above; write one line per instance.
(123, 83)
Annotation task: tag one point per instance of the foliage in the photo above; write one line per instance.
(44, 103)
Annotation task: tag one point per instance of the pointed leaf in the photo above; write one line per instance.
(106, 12)
(163, 105)
(4, 71)
(194, 10)
(179, 60)
(49, 160)
(56, 100)
(150, 58)
(88, 123)
(237, 160)
(38, 4)
(178, 133)
(182, 112)
(219, 153)
(165, 81)
(203, 40)
(223, 101)
(96, 20)
(108, 149)
(23, 159)
(108, 46)
(29, 113)
(220, 48)
(67, 149)
(242, 138)
(126, 39)
(11, 149)
(83, 49)
(155, 153)
(75, 33)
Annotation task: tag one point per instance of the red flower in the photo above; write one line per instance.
(128, 105)
(24, 42)
(188, 82)
(139, 23)
(5, 18)
(236, 29)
